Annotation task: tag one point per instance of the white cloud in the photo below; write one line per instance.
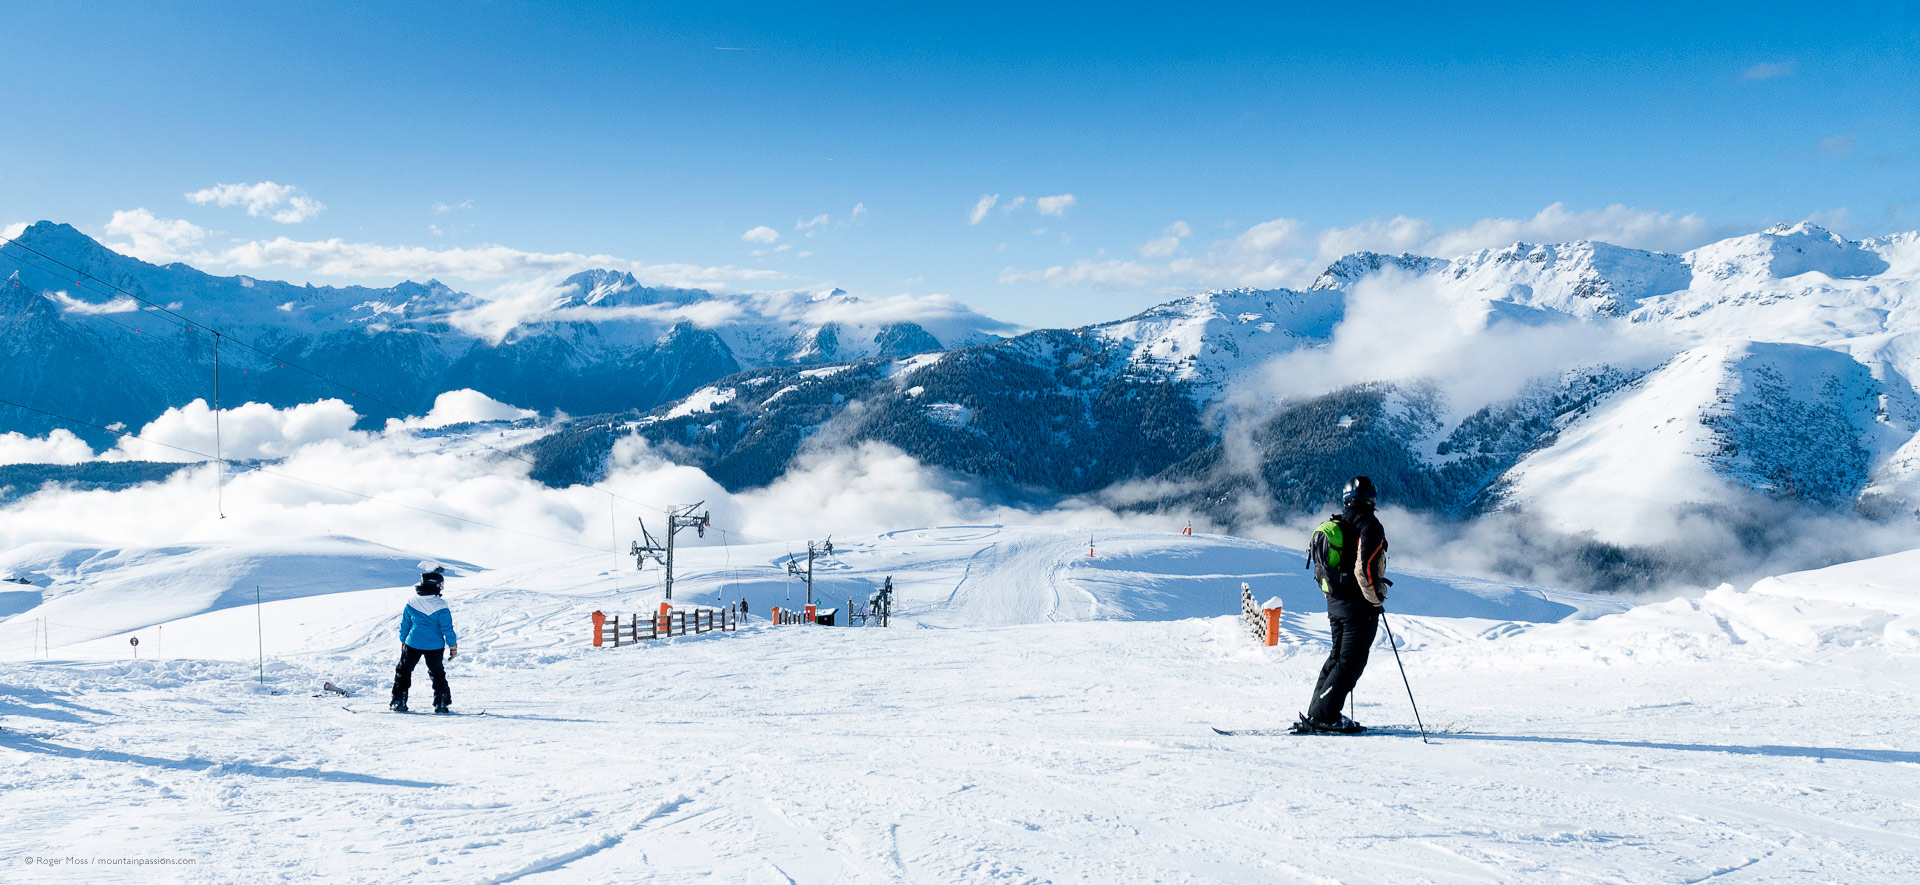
(866, 488)
(1617, 224)
(280, 202)
(444, 208)
(523, 302)
(150, 238)
(939, 314)
(1168, 242)
(58, 447)
(981, 207)
(338, 257)
(1281, 252)
(1112, 274)
(1838, 218)
(1406, 328)
(1393, 236)
(13, 230)
(1267, 237)
(247, 432)
(461, 407)
(761, 234)
(119, 304)
(1055, 205)
(1013, 205)
(520, 302)
(1768, 70)
(824, 220)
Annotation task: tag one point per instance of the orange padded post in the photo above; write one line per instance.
(810, 610)
(776, 616)
(599, 626)
(661, 623)
(1273, 625)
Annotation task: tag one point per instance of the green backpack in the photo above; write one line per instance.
(1327, 553)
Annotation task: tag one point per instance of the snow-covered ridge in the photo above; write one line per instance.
(1786, 420)
(1214, 337)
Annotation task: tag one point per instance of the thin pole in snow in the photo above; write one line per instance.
(259, 630)
(219, 464)
(1403, 676)
(613, 534)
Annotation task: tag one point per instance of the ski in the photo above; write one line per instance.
(423, 712)
(1384, 730)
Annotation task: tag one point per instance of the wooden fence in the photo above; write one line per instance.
(617, 630)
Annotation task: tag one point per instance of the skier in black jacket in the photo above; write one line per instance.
(1355, 594)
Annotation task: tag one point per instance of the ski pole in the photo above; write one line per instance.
(1395, 645)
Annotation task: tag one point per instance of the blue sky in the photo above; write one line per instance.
(1181, 148)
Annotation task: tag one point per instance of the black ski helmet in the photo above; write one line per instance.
(430, 583)
(1359, 490)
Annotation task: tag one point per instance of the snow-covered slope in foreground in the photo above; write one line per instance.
(1040, 751)
(90, 592)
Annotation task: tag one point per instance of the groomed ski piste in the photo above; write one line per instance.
(1034, 714)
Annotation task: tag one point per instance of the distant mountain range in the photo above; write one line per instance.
(1779, 370)
(598, 342)
(1773, 367)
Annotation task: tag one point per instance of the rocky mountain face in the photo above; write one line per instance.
(602, 341)
(1781, 374)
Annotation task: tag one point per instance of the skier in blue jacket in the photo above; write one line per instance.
(426, 631)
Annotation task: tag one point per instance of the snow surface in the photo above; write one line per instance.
(1035, 714)
(702, 400)
(1777, 417)
(1212, 338)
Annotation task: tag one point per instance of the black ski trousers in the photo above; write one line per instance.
(436, 668)
(1352, 628)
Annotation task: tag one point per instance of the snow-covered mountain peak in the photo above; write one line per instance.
(1212, 336)
(1584, 279)
(1784, 251)
(617, 288)
(60, 236)
(67, 245)
(1349, 269)
(597, 287)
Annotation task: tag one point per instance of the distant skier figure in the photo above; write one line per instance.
(1348, 553)
(426, 631)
